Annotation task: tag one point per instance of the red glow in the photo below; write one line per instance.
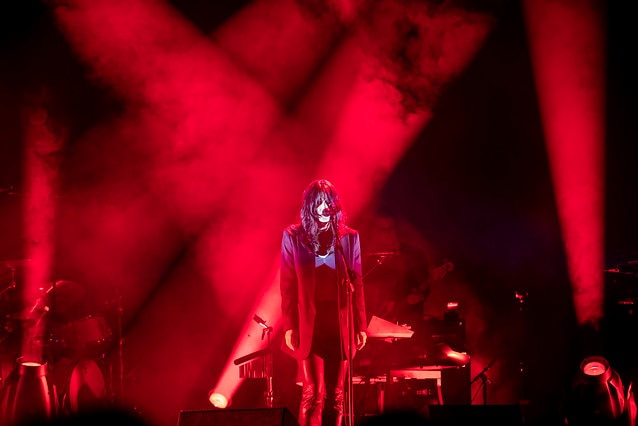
(356, 119)
(281, 35)
(566, 41)
(204, 164)
(41, 171)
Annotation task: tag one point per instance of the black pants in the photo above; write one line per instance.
(322, 380)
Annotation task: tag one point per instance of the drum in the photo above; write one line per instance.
(81, 385)
(88, 336)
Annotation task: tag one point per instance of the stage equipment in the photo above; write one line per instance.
(84, 348)
(620, 319)
(378, 328)
(218, 400)
(255, 365)
(410, 378)
(482, 376)
(404, 367)
(81, 385)
(598, 396)
(12, 264)
(472, 414)
(63, 296)
(248, 417)
(259, 364)
(28, 395)
(87, 336)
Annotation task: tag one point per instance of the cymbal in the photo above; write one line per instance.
(15, 263)
(64, 295)
(382, 253)
(59, 298)
(24, 314)
(11, 302)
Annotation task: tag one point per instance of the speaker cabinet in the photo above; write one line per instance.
(247, 417)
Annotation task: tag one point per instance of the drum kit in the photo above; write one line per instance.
(74, 341)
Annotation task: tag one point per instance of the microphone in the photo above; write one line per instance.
(260, 321)
(327, 212)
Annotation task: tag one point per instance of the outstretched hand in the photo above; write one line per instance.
(361, 339)
(292, 339)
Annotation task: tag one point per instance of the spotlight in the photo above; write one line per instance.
(598, 396)
(28, 396)
(218, 400)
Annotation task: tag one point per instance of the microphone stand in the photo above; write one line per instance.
(267, 330)
(484, 380)
(380, 259)
(349, 415)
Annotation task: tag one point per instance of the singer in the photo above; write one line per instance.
(314, 302)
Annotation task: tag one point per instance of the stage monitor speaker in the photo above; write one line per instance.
(501, 414)
(244, 417)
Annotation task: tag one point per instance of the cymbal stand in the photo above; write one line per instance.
(120, 347)
(12, 284)
(521, 298)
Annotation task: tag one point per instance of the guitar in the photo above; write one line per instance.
(418, 294)
(413, 301)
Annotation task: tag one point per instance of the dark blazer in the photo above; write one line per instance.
(297, 285)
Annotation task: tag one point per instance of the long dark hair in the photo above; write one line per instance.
(314, 194)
